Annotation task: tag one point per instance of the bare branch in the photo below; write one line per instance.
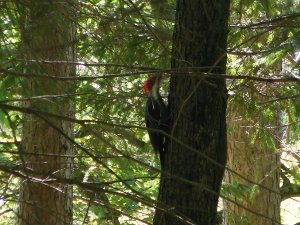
(269, 22)
(206, 75)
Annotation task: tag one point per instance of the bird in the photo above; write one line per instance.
(156, 116)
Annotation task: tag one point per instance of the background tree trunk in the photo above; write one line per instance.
(48, 33)
(190, 183)
(252, 158)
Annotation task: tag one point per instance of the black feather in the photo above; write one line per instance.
(156, 116)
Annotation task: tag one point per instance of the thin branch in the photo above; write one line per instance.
(95, 64)
(248, 53)
(208, 75)
(39, 97)
(87, 212)
(280, 99)
(82, 78)
(148, 26)
(274, 20)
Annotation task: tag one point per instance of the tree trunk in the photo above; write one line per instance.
(252, 158)
(48, 33)
(190, 183)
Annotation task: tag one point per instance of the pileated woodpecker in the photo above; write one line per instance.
(156, 116)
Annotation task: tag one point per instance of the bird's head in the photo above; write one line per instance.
(149, 84)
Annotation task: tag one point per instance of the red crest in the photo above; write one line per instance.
(148, 84)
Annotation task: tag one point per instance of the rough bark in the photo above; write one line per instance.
(252, 158)
(190, 183)
(48, 33)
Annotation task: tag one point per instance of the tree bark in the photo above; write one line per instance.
(48, 33)
(251, 157)
(190, 183)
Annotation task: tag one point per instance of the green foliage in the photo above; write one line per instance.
(5, 160)
(115, 32)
